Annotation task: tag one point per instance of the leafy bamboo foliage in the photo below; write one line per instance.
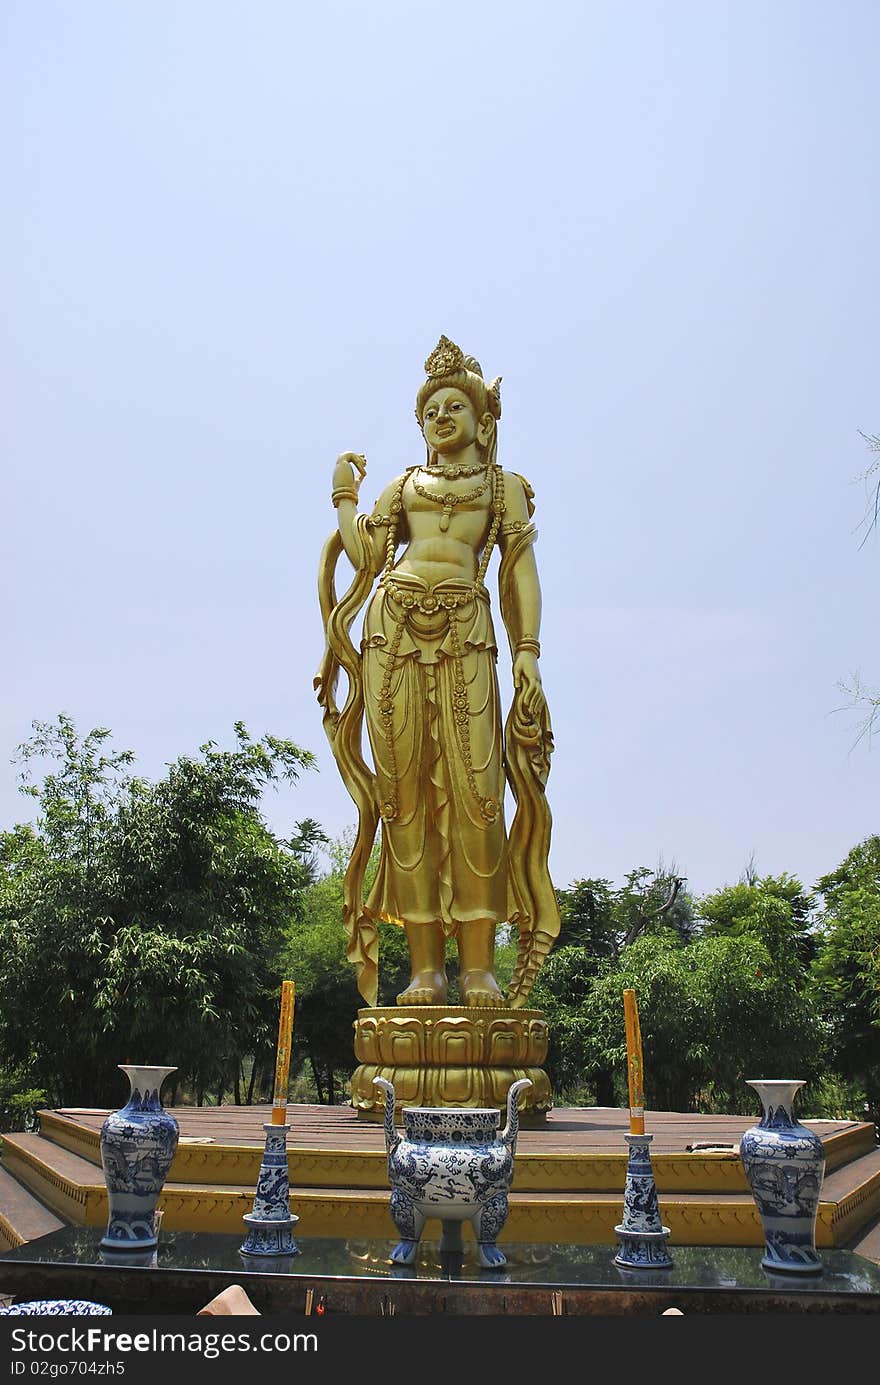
(327, 997)
(847, 967)
(725, 996)
(144, 922)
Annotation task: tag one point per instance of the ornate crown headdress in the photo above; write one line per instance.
(444, 359)
(448, 359)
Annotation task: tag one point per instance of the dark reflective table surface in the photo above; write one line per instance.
(729, 1268)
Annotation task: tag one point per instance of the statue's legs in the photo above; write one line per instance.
(488, 1224)
(410, 1223)
(476, 955)
(427, 959)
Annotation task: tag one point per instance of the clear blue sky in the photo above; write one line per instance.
(231, 235)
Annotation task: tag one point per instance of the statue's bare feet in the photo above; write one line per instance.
(480, 988)
(425, 988)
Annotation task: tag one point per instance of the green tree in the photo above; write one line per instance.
(604, 920)
(562, 992)
(145, 921)
(586, 912)
(775, 909)
(847, 966)
(19, 1103)
(598, 923)
(713, 1012)
(327, 998)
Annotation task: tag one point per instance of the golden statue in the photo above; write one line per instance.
(425, 680)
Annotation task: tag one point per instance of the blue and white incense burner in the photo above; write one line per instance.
(451, 1164)
(138, 1144)
(785, 1166)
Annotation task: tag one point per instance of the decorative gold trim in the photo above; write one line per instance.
(236, 1164)
(847, 1145)
(79, 1139)
(699, 1172)
(439, 1055)
(9, 1237)
(457, 1085)
(74, 1201)
(854, 1210)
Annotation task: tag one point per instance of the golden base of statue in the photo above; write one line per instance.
(450, 1055)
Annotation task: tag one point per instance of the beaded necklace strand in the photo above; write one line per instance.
(450, 499)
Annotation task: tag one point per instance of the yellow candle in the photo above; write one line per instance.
(635, 1073)
(282, 1061)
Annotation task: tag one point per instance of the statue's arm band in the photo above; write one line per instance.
(378, 521)
(344, 493)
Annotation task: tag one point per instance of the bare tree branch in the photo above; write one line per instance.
(872, 489)
(640, 923)
(868, 699)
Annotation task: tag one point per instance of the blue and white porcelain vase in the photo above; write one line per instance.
(138, 1144)
(785, 1165)
(453, 1164)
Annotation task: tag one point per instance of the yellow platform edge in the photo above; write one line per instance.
(10, 1239)
(238, 1165)
(363, 1214)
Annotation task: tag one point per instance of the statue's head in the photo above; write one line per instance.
(455, 381)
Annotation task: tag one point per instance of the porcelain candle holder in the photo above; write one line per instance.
(138, 1144)
(641, 1234)
(785, 1166)
(270, 1224)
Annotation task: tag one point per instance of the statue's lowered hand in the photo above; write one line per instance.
(527, 678)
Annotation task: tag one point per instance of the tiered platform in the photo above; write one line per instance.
(567, 1189)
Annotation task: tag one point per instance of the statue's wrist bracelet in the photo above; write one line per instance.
(344, 493)
(528, 645)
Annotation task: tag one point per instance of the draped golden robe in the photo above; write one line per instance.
(441, 858)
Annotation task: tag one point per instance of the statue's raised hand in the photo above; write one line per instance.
(347, 464)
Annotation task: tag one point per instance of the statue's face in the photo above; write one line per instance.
(449, 422)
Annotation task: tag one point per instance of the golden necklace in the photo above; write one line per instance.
(449, 500)
(453, 470)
